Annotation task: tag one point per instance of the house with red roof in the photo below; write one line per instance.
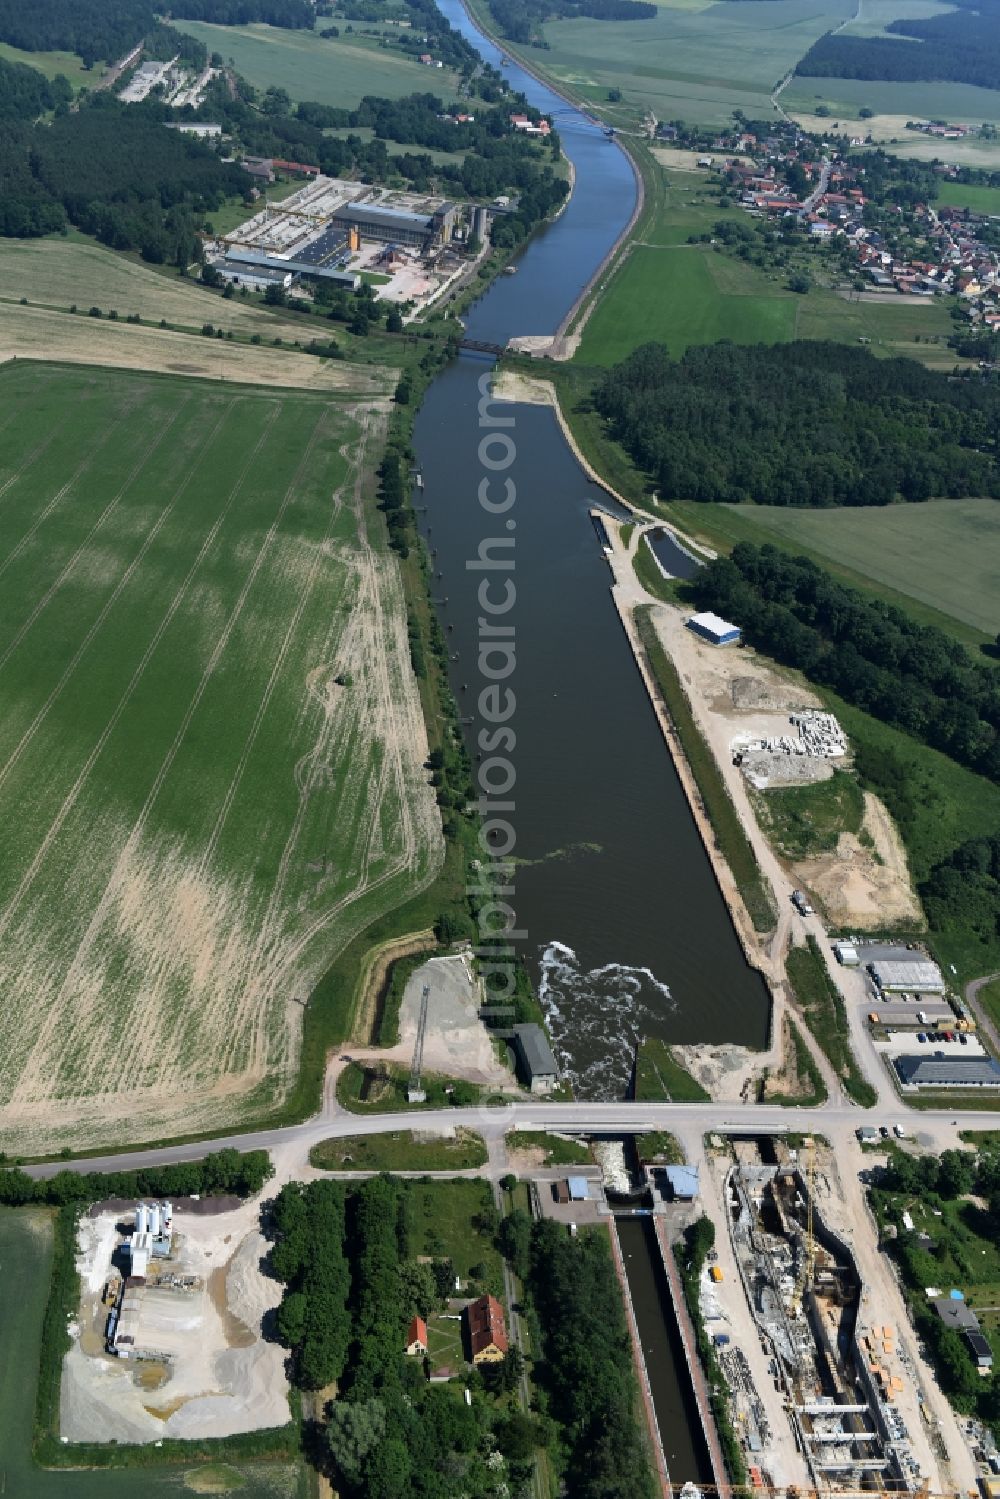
(487, 1330)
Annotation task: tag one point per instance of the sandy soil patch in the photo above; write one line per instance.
(222, 1377)
(456, 1042)
(35, 333)
(784, 1080)
(678, 160)
(525, 390)
(730, 1074)
(738, 694)
(861, 886)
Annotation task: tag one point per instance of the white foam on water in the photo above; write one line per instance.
(596, 1016)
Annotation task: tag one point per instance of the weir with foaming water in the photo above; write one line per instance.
(626, 931)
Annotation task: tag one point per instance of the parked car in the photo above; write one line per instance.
(921, 1038)
(883, 1130)
(963, 1038)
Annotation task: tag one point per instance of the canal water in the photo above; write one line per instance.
(673, 1398)
(626, 932)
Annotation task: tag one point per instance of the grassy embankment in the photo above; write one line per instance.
(825, 1013)
(401, 1151)
(381, 1089)
(661, 1147)
(557, 1150)
(730, 838)
(660, 1077)
(812, 1089)
(801, 821)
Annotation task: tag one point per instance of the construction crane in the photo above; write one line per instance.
(414, 1092)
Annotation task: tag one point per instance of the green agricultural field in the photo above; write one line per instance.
(970, 195)
(945, 553)
(683, 294)
(337, 71)
(211, 744)
(908, 101)
(693, 63)
(875, 16)
(673, 296)
(51, 63)
(63, 273)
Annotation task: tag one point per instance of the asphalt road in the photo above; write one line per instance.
(688, 1121)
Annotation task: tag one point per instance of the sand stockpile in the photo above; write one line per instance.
(217, 1377)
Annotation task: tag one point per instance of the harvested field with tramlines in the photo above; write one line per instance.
(211, 745)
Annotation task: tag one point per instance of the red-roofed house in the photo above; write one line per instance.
(416, 1338)
(487, 1330)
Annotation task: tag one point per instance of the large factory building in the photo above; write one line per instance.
(398, 226)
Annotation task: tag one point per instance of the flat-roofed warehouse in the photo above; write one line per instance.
(948, 1072)
(710, 627)
(916, 975)
(398, 226)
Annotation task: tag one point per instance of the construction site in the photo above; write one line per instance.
(409, 246)
(168, 1337)
(847, 1391)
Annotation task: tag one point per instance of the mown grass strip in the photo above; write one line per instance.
(400, 1151)
(558, 1150)
(730, 838)
(659, 1076)
(825, 1013)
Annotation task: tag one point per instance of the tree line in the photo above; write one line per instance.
(106, 30)
(803, 423)
(962, 892)
(912, 676)
(522, 20)
(221, 1171)
(962, 46)
(353, 1278)
(25, 93)
(585, 1372)
(114, 172)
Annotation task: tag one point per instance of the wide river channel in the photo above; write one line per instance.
(626, 931)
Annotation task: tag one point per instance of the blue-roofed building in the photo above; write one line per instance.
(683, 1182)
(579, 1188)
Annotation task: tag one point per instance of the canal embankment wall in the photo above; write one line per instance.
(723, 875)
(689, 1343)
(653, 1425)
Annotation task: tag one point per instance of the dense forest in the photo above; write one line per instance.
(961, 46)
(962, 893)
(354, 1274)
(105, 30)
(25, 93)
(116, 173)
(521, 20)
(912, 676)
(805, 423)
